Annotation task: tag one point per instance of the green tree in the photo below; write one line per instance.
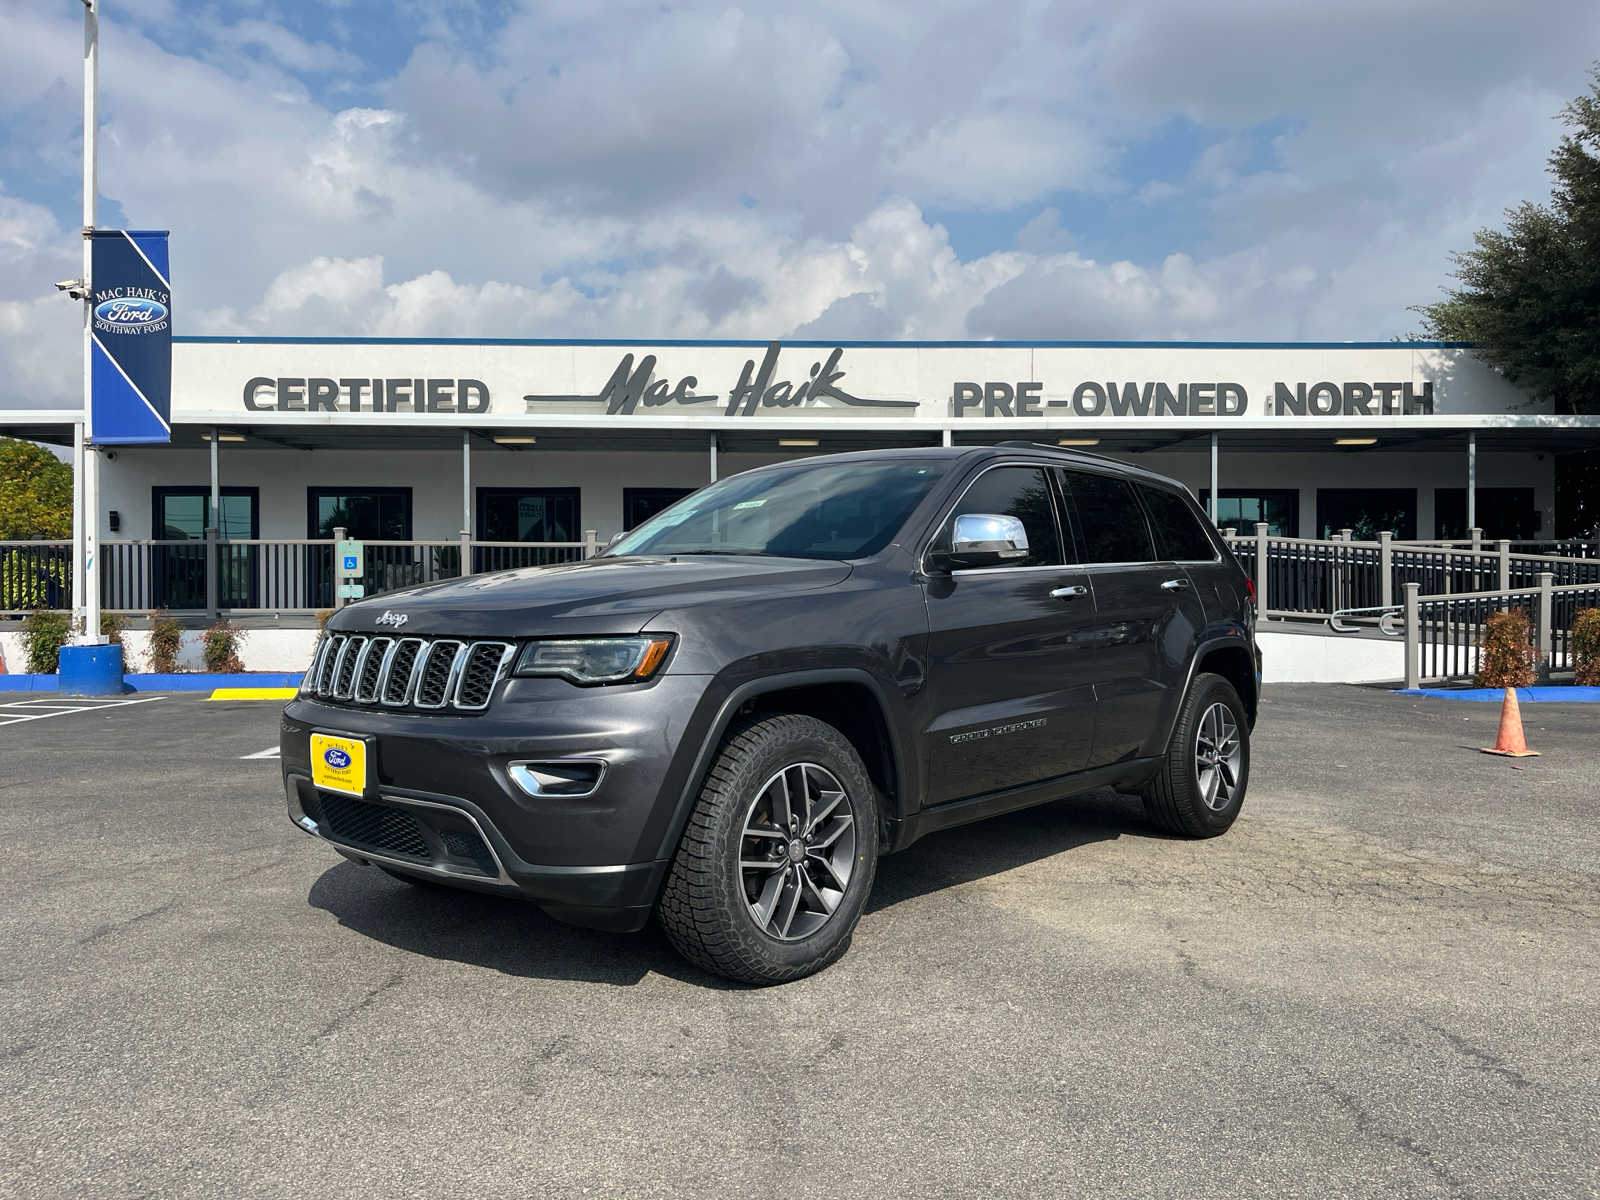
(35, 493)
(1528, 297)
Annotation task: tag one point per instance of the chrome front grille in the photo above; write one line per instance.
(434, 674)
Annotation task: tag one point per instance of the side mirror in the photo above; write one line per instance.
(615, 538)
(983, 540)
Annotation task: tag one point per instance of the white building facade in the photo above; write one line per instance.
(542, 441)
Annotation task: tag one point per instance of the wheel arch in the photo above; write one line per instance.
(1234, 662)
(851, 700)
(1228, 656)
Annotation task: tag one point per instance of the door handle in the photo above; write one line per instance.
(1175, 585)
(1068, 593)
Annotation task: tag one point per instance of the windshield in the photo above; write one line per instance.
(837, 510)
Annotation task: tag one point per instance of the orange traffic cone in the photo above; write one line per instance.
(1509, 742)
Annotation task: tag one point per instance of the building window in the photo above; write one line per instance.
(640, 504)
(528, 515)
(178, 572)
(1366, 512)
(1502, 513)
(366, 514)
(1240, 508)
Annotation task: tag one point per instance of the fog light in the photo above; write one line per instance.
(570, 779)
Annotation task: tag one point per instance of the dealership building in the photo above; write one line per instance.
(507, 442)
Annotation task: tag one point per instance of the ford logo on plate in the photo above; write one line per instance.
(336, 758)
(130, 313)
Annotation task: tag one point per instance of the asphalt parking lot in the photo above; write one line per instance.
(1384, 979)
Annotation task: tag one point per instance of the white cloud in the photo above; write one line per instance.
(639, 170)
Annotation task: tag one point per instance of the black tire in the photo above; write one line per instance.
(706, 905)
(1176, 798)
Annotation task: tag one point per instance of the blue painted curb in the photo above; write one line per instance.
(161, 683)
(29, 683)
(1527, 695)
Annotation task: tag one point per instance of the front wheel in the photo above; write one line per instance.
(1201, 784)
(779, 854)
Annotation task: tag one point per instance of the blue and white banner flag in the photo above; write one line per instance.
(131, 359)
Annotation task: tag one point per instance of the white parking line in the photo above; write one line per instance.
(269, 752)
(15, 712)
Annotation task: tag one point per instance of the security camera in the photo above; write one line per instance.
(111, 456)
(72, 287)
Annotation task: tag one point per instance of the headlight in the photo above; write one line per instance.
(596, 660)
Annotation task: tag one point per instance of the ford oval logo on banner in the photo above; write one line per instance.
(336, 758)
(124, 314)
(130, 369)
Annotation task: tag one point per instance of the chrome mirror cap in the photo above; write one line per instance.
(985, 534)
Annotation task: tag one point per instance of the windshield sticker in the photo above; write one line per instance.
(748, 504)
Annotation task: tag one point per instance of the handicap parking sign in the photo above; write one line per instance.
(347, 554)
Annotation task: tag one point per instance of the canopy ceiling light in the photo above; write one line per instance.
(516, 441)
(224, 437)
(1077, 441)
(1355, 441)
(798, 442)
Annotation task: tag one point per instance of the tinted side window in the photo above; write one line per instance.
(1179, 534)
(1021, 492)
(1110, 521)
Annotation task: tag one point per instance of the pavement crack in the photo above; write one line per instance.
(102, 932)
(341, 1019)
(1482, 1060)
(1369, 1126)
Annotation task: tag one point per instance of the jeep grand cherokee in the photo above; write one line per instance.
(729, 715)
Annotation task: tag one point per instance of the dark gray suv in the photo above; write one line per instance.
(730, 714)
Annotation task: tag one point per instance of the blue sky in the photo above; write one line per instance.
(1246, 169)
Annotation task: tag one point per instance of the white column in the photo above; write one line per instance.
(713, 458)
(91, 458)
(78, 457)
(216, 482)
(949, 438)
(1211, 508)
(1472, 480)
(466, 483)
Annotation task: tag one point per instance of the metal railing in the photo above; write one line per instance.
(1305, 577)
(1444, 634)
(35, 575)
(253, 575)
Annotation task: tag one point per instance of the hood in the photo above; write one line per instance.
(599, 595)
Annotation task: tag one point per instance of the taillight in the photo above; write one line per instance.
(1250, 586)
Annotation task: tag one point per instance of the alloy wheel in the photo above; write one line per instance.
(797, 851)
(1218, 755)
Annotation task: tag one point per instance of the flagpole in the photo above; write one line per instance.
(88, 533)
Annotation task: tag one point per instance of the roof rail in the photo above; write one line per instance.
(1022, 444)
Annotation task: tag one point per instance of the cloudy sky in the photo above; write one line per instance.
(1151, 169)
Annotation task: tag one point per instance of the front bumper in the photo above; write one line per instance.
(440, 801)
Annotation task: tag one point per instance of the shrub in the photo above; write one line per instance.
(114, 625)
(1508, 658)
(1586, 647)
(165, 640)
(322, 617)
(220, 647)
(44, 632)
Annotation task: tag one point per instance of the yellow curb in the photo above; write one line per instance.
(287, 693)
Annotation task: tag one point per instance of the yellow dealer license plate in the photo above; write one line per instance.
(339, 763)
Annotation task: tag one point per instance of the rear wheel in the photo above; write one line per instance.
(1201, 784)
(779, 854)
